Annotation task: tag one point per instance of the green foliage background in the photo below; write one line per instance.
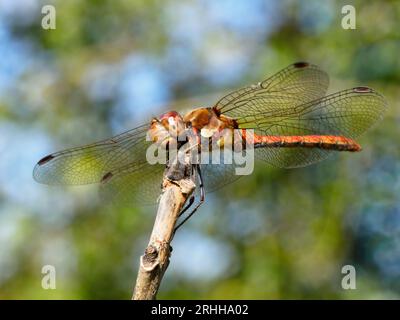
(110, 65)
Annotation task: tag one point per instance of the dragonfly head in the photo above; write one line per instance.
(173, 122)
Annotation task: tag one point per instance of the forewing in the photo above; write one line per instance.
(296, 84)
(89, 164)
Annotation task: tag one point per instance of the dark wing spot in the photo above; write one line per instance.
(45, 160)
(362, 89)
(301, 64)
(106, 177)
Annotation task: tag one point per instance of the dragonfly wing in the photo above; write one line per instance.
(291, 157)
(296, 84)
(216, 176)
(142, 184)
(133, 184)
(89, 164)
(347, 113)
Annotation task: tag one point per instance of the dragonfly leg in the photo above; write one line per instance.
(191, 201)
(202, 197)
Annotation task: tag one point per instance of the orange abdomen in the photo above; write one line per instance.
(338, 143)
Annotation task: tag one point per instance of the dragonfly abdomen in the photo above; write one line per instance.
(337, 143)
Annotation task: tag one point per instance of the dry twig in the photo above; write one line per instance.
(178, 185)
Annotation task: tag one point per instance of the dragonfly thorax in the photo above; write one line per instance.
(207, 121)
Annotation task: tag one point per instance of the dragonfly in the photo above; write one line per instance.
(295, 124)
